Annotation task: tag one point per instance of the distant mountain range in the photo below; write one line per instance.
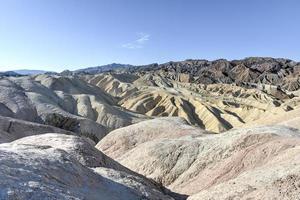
(258, 70)
(89, 70)
(104, 68)
(9, 73)
(23, 72)
(29, 72)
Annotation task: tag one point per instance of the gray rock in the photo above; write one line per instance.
(54, 166)
(12, 129)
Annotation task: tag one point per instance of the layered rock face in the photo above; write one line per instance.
(94, 105)
(214, 107)
(64, 102)
(260, 70)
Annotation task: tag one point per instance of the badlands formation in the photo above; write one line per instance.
(193, 129)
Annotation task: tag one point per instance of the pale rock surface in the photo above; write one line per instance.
(14, 102)
(214, 107)
(209, 164)
(117, 85)
(101, 103)
(277, 179)
(290, 118)
(55, 166)
(53, 100)
(122, 140)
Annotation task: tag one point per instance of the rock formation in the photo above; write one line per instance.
(193, 129)
(214, 107)
(257, 161)
(64, 102)
(280, 72)
(55, 166)
(12, 129)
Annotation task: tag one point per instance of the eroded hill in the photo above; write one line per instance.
(149, 132)
(214, 107)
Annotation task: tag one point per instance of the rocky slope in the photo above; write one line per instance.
(258, 70)
(290, 119)
(280, 72)
(122, 140)
(12, 129)
(55, 166)
(63, 102)
(257, 162)
(214, 107)
(93, 105)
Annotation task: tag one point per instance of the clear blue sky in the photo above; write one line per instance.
(70, 34)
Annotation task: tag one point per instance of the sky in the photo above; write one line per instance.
(71, 34)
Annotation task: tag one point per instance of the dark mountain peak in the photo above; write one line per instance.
(9, 73)
(104, 68)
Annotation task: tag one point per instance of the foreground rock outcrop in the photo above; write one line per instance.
(56, 166)
(256, 162)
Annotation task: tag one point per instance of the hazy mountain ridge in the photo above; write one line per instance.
(104, 68)
(24, 72)
(30, 72)
(9, 73)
